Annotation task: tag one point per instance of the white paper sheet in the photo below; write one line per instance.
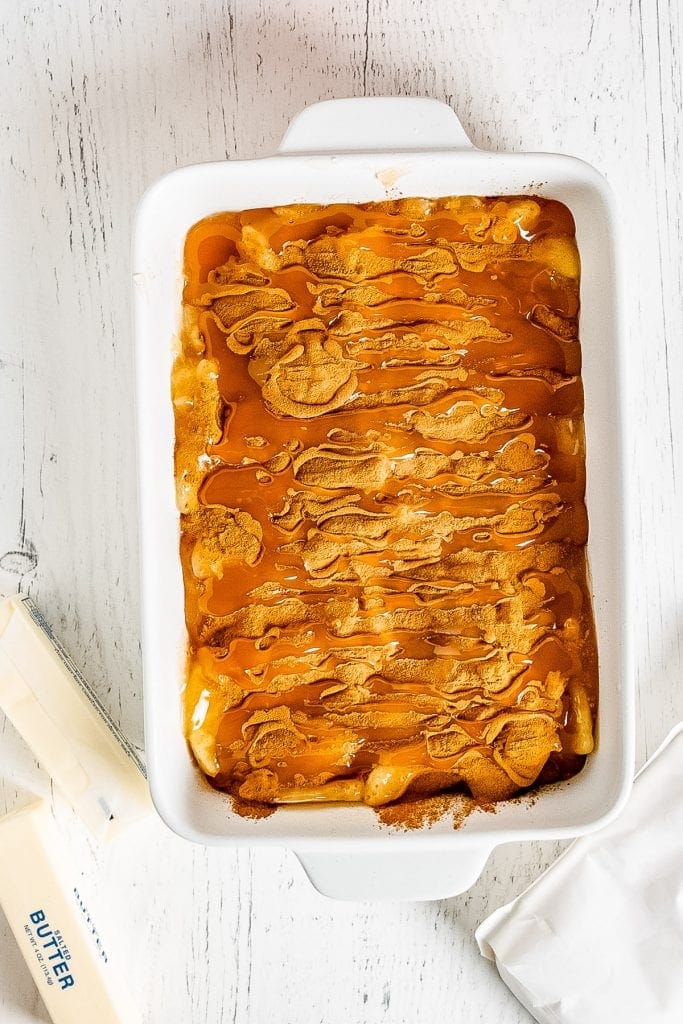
(599, 936)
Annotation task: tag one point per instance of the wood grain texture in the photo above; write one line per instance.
(97, 101)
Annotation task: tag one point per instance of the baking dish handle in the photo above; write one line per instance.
(374, 124)
(396, 874)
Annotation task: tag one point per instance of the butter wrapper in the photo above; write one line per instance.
(53, 925)
(599, 936)
(60, 717)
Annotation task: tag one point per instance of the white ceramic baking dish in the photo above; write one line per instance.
(357, 151)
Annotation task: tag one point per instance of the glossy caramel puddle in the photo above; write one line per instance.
(380, 473)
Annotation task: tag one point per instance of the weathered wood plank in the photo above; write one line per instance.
(99, 100)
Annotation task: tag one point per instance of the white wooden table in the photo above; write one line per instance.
(98, 100)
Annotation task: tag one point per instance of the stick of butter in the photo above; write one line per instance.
(61, 718)
(53, 926)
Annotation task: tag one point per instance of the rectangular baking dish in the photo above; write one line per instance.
(358, 151)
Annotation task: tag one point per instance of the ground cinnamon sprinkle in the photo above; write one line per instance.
(252, 809)
(422, 812)
(380, 474)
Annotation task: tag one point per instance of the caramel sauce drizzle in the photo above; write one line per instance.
(380, 473)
